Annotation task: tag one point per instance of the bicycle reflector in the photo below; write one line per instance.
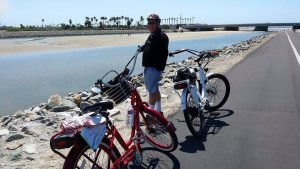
(181, 85)
(62, 141)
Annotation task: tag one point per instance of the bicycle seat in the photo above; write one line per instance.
(103, 105)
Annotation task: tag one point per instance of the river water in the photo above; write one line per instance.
(30, 78)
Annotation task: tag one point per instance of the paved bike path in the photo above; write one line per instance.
(262, 124)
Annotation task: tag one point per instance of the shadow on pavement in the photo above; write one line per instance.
(154, 158)
(213, 126)
(191, 145)
(223, 113)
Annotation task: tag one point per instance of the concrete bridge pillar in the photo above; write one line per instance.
(206, 29)
(296, 27)
(261, 28)
(230, 28)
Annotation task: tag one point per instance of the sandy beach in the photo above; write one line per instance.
(14, 46)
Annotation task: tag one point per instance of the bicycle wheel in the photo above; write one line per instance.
(156, 132)
(84, 157)
(195, 120)
(154, 158)
(218, 89)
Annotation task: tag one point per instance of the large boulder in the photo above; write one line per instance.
(3, 132)
(33, 128)
(29, 148)
(12, 127)
(6, 120)
(14, 137)
(54, 100)
(65, 105)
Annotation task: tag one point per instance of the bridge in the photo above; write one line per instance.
(236, 27)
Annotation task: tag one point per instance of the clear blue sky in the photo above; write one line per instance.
(30, 12)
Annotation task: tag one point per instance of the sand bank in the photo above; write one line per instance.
(14, 46)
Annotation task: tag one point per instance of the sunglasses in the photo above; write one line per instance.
(151, 23)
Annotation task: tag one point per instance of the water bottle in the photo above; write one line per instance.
(130, 117)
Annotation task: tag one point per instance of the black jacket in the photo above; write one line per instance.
(156, 50)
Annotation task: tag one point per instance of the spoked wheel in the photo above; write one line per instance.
(218, 89)
(154, 158)
(156, 132)
(194, 118)
(85, 157)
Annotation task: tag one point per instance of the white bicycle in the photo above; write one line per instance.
(202, 92)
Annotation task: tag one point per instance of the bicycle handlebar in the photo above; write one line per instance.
(126, 73)
(200, 54)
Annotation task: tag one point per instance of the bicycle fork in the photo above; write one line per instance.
(204, 97)
(202, 101)
(137, 140)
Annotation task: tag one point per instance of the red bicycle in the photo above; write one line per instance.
(154, 128)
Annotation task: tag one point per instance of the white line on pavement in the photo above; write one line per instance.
(294, 49)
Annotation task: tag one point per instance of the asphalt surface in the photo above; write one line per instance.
(259, 126)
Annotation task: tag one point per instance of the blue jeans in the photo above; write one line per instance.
(151, 79)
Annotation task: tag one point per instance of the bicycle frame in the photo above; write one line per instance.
(194, 90)
(199, 99)
(133, 145)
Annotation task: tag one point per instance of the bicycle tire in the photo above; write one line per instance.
(212, 91)
(191, 115)
(155, 127)
(77, 152)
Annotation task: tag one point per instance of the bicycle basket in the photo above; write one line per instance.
(182, 74)
(120, 92)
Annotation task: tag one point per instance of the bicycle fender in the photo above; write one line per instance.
(171, 127)
(183, 99)
(209, 74)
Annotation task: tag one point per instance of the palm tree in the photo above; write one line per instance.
(129, 22)
(70, 22)
(43, 22)
(87, 22)
(95, 20)
(142, 20)
(113, 20)
(122, 20)
(109, 20)
(102, 19)
(92, 20)
(126, 21)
